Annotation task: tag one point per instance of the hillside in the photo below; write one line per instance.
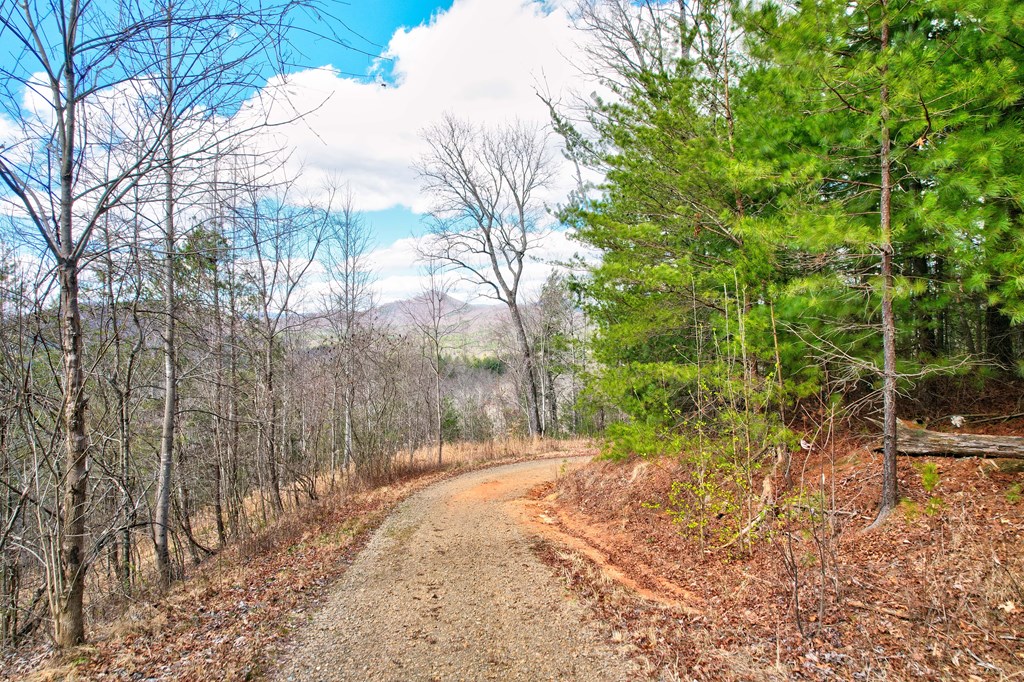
(471, 319)
(937, 593)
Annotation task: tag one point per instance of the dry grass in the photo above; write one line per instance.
(106, 599)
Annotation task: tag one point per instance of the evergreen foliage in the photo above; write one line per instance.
(741, 225)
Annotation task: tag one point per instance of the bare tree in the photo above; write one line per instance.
(209, 55)
(346, 257)
(69, 63)
(285, 238)
(436, 316)
(486, 211)
(629, 40)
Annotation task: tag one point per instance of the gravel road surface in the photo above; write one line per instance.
(448, 589)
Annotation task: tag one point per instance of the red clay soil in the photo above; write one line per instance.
(937, 593)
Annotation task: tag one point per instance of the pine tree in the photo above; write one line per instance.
(877, 100)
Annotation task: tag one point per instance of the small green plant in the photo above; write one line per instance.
(698, 502)
(930, 480)
(1014, 493)
(929, 476)
(933, 506)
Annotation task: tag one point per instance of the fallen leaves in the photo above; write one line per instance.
(952, 575)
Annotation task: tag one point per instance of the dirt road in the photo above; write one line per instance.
(448, 589)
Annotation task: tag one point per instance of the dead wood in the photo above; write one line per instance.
(922, 442)
(896, 613)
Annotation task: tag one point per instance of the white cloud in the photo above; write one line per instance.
(481, 60)
(397, 276)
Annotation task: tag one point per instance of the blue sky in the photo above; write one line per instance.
(410, 62)
(480, 60)
(366, 26)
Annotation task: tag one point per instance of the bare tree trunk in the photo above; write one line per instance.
(552, 402)
(163, 489)
(235, 509)
(127, 509)
(334, 431)
(185, 505)
(219, 435)
(532, 392)
(161, 518)
(271, 426)
(69, 623)
(10, 571)
(349, 399)
(121, 382)
(440, 409)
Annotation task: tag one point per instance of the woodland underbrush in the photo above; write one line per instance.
(228, 614)
(773, 575)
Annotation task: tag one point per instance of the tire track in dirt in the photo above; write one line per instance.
(448, 589)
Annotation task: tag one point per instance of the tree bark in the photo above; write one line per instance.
(161, 514)
(890, 494)
(440, 408)
(69, 623)
(922, 442)
(219, 435)
(271, 425)
(532, 392)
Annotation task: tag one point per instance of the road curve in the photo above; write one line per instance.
(448, 589)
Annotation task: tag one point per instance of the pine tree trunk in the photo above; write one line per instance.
(889, 487)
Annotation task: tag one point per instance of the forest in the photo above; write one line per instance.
(809, 208)
(804, 221)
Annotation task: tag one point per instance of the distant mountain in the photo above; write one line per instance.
(470, 324)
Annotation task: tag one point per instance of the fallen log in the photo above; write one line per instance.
(922, 442)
